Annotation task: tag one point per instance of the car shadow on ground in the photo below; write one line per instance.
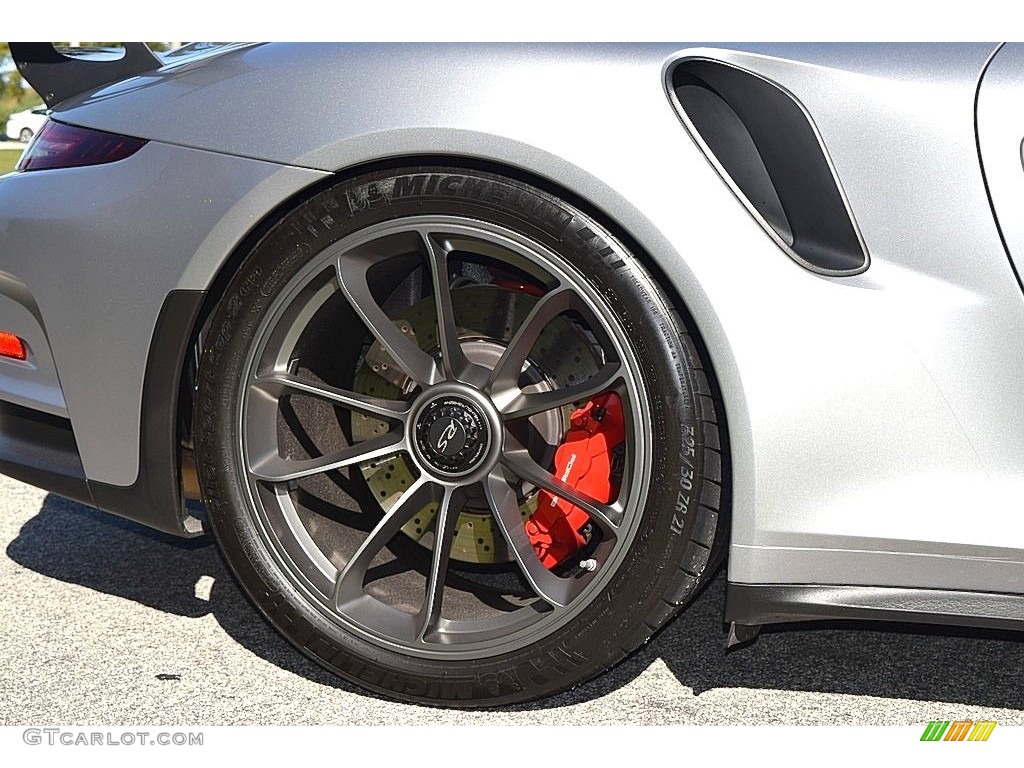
(77, 544)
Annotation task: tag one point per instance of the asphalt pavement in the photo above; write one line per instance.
(103, 622)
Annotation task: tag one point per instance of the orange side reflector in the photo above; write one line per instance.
(11, 346)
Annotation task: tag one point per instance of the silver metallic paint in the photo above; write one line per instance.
(1000, 134)
(99, 248)
(874, 431)
(912, 451)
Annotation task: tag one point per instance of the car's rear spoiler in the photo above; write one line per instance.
(57, 77)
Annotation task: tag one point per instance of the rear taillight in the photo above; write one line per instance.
(68, 146)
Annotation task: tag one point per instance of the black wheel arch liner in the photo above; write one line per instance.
(40, 449)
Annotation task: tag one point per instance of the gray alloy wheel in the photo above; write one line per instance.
(476, 403)
(25, 135)
(457, 448)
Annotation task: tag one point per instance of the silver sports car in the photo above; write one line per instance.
(479, 360)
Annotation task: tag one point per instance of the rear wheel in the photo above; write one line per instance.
(25, 135)
(454, 441)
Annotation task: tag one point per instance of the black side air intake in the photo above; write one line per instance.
(761, 138)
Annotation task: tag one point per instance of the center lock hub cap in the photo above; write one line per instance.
(452, 435)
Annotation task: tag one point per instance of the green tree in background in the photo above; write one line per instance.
(10, 81)
(15, 95)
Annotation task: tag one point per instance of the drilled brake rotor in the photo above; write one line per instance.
(487, 316)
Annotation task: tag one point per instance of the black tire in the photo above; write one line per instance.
(679, 533)
(26, 135)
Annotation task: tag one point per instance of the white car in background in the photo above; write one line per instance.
(22, 126)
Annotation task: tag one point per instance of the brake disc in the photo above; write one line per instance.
(488, 315)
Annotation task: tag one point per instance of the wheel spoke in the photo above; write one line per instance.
(505, 376)
(527, 404)
(549, 587)
(517, 459)
(445, 522)
(349, 585)
(352, 278)
(453, 360)
(408, 596)
(278, 384)
(271, 467)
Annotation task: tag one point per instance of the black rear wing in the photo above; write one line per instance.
(57, 76)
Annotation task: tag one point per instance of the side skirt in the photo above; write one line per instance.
(752, 605)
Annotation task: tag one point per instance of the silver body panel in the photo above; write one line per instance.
(874, 426)
(1001, 144)
(99, 248)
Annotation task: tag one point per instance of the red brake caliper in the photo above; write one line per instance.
(583, 462)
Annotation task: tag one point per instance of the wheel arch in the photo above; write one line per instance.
(679, 283)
